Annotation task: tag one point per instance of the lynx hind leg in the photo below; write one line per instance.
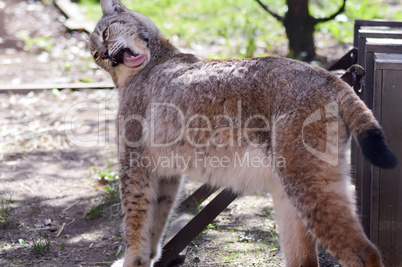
(168, 189)
(297, 244)
(137, 196)
(320, 195)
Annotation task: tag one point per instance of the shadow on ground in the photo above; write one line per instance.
(51, 194)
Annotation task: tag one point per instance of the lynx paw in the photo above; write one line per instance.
(371, 257)
(136, 261)
(118, 263)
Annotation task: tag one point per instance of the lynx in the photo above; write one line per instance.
(261, 124)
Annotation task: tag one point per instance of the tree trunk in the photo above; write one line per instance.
(299, 27)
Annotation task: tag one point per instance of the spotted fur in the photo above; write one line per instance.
(261, 124)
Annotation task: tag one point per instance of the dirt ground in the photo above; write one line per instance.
(51, 181)
(35, 47)
(53, 145)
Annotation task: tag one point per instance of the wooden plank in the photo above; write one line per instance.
(359, 23)
(180, 241)
(389, 61)
(69, 10)
(75, 19)
(390, 216)
(192, 202)
(20, 88)
(375, 192)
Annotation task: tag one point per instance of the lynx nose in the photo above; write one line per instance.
(104, 55)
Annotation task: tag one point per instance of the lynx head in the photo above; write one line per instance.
(120, 43)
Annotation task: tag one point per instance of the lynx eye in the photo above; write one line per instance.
(105, 34)
(96, 55)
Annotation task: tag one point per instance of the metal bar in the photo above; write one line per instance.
(172, 249)
(353, 75)
(192, 202)
(346, 61)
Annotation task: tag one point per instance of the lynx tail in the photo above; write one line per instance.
(376, 149)
(366, 130)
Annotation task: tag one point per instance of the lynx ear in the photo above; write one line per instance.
(111, 6)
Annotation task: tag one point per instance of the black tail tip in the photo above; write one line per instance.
(375, 149)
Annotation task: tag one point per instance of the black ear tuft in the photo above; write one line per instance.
(111, 6)
(375, 149)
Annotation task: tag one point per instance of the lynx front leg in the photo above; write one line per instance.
(137, 196)
(166, 197)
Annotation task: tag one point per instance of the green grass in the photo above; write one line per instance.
(4, 208)
(239, 28)
(107, 173)
(41, 245)
(229, 256)
(44, 43)
(342, 27)
(112, 191)
(96, 211)
(274, 243)
(112, 187)
(35, 207)
(22, 242)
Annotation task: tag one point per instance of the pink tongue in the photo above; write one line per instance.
(133, 62)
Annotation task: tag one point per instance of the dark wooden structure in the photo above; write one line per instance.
(379, 192)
